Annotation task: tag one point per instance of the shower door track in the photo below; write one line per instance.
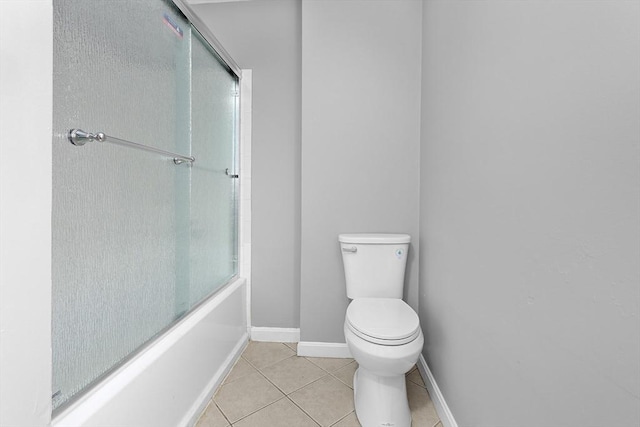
(208, 36)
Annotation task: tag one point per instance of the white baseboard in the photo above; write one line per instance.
(275, 334)
(323, 349)
(436, 395)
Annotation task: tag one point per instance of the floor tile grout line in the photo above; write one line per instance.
(273, 364)
(226, 377)
(291, 392)
(334, 376)
(259, 370)
(328, 374)
(309, 383)
(415, 368)
(305, 412)
(301, 387)
(351, 387)
(415, 383)
(314, 364)
(310, 359)
(342, 367)
(352, 412)
(257, 410)
(220, 409)
(255, 367)
(287, 395)
(224, 382)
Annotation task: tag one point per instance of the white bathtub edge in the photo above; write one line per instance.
(192, 416)
(87, 408)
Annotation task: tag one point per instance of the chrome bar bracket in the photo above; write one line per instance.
(79, 137)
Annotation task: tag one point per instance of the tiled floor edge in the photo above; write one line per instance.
(446, 417)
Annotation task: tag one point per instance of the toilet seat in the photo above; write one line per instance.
(384, 321)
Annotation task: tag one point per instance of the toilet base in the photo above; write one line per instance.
(381, 401)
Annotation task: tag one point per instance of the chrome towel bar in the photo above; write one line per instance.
(79, 137)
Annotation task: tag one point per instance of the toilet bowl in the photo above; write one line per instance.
(382, 332)
(385, 338)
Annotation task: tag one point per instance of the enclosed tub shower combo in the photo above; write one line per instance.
(145, 212)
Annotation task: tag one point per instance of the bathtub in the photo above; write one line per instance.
(170, 382)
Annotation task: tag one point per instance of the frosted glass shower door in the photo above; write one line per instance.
(137, 240)
(213, 190)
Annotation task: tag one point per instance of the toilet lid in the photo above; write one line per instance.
(387, 321)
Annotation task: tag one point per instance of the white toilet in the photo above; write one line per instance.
(383, 333)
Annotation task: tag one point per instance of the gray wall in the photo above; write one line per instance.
(360, 143)
(530, 211)
(265, 37)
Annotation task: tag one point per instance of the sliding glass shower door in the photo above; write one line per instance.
(215, 95)
(137, 239)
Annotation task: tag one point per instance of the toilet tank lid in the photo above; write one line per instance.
(374, 238)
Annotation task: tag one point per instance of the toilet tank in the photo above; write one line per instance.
(374, 264)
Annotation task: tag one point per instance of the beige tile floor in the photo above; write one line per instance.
(270, 386)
